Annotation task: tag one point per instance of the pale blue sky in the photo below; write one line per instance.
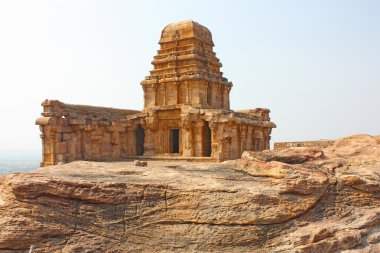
(314, 64)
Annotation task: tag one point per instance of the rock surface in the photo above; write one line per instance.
(295, 200)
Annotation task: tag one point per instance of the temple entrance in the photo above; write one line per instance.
(140, 135)
(207, 140)
(174, 140)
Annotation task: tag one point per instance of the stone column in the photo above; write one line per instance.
(209, 94)
(151, 127)
(243, 138)
(53, 140)
(215, 152)
(258, 139)
(235, 144)
(129, 144)
(250, 142)
(115, 143)
(178, 91)
(198, 138)
(165, 100)
(269, 137)
(222, 96)
(187, 142)
(226, 152)
(224, 141)
(267, 132)
(187, 93)
(187, 136)
(48, 145)
(226, 95)
(149, 142)
(150, 96)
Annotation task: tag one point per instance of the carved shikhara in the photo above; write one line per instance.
(186, 112)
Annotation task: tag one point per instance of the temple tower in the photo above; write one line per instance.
(186, 70)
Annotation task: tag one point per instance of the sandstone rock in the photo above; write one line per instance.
(356, 145)
(325, 204)
(374, 238)
(294, 155)
(140, 163)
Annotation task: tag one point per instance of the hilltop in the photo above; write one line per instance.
(297, 199)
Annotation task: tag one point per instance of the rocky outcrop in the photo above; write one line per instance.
(295, 200)
(289, 155)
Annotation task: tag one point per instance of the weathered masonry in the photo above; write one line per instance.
(186, 112)
(315, 144)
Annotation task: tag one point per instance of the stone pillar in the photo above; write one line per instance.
(48, 137)
(150, 95)
(215, 152)
(203, 92)
(129, 145)
(53, 136)
(198, 138)
(269, 137)
(267, 132)
(187, 136)
(165, 100)
(187, 93)
(224, 136)
(250, 143)
(226, 97)
(115, 142)
(235, 144)
(222, 96)
(258, 139)
(43, 147)
(187, 142)
(79, 144)
(178, 91)
(149, 142)
(226, 152)
(219, 95)
(209, 94)
(150, 134)
(197, 92)
(243, 138)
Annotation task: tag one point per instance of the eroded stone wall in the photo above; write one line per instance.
(317, 144)
(76, 132)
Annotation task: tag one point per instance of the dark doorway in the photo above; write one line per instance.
(207, 140)
(140, 135)
(174, 140)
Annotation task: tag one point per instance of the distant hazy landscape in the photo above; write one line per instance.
(18, 161)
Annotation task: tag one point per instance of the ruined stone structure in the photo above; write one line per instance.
(314, 144)
(186, 112)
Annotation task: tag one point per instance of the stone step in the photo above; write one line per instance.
(170, 158)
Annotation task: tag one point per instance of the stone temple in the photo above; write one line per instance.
(186, 112)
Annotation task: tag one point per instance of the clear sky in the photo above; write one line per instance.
(314, 64)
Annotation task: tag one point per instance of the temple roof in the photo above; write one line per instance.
(184, 30)
(186, 69)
